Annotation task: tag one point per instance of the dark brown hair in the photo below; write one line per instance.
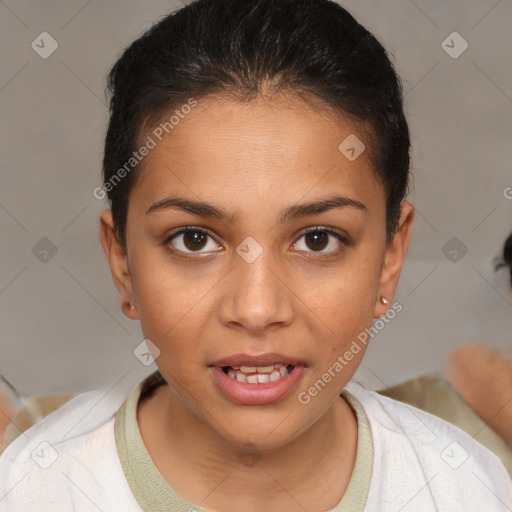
(506, 260)
(313, 47)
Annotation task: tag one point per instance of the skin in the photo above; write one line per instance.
(483, 377)
(9, 408)
(296, 299)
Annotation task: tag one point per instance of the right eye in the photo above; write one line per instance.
(189, 240)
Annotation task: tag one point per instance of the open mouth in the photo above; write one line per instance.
(269, 379)
(258, 374)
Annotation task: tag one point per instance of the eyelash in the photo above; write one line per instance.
(345, 242)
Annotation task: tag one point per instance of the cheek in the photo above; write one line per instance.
(346, 296)
(345, 304)
(172, 309)
(169, 302)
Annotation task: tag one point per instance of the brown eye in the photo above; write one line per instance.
(194, 240)
(190, 240)
(318, 239)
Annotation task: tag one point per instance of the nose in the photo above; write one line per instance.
(257, 297)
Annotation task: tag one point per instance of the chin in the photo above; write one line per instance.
(263, 431)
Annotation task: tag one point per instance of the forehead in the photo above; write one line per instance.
(277, 123)
(249, 151)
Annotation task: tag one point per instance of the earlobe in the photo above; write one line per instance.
(394, 257)
(118, 262)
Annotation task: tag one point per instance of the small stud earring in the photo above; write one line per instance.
(384, 300)
(132, 306)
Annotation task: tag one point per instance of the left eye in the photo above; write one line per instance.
(317, 239)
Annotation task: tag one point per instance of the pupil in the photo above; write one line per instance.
(195, 239)
(319, 240)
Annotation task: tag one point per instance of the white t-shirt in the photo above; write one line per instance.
(69, 461)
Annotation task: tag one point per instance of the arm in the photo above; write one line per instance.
(483, 378)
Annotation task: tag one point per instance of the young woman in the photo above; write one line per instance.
(256, 164)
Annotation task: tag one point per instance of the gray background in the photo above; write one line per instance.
(61, 326)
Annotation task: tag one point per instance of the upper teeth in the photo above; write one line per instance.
(257, 374)
(258, 369)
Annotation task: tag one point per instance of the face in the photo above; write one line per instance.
(243, 276)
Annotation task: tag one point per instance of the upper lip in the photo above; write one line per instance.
(268, 359)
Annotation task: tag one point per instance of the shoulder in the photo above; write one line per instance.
(66, 458)
(417, 450)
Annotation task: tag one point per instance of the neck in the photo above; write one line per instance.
(311, 472)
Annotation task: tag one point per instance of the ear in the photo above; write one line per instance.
(119, 265)
(394, 257)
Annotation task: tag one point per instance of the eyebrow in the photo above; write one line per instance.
(205, 209)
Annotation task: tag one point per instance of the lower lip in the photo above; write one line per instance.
(256, 394)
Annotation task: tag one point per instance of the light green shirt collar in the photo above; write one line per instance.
(154, 494)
